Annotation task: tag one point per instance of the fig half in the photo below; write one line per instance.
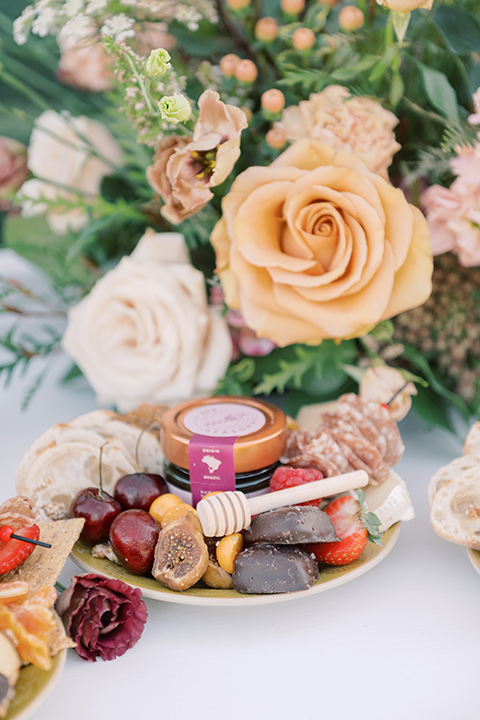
(181, 555)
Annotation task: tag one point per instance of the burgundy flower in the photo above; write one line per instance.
(105, 617)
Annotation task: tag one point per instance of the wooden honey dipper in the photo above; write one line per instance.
(229, 512)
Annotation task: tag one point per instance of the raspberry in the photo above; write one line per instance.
(286, 476)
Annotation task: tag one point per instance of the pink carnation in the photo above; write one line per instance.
(453, 214)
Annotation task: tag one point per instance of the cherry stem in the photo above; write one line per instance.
(401, 389)
(30, 540)
(100, 486)
(144, 429)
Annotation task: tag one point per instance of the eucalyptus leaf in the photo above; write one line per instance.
(440, 93)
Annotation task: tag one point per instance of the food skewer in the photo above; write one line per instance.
(229, 512)
(6, 533)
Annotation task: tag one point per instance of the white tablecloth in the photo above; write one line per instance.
(399, 642)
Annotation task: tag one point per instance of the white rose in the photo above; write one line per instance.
(67, 155)
(145, 332)
(381, 383)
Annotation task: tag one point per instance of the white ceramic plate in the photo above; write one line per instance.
(330, 577)
(33, 687)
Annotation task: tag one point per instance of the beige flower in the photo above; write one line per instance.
(317, 247)
(381, 383)
(406, 6)
(185, 169)
(67, 155)
(145, 332)
(358, 125)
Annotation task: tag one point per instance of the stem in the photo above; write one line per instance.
(100, 486)
(143, 87)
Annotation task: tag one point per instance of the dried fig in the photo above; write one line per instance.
(215, 576)
(181, 555)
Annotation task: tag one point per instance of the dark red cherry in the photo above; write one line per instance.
(133, 537)
(139, 490)
(99, 510)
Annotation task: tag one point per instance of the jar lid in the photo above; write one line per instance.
(260, 428)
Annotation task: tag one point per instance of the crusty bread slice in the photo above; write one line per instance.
(455, 510)
(65, 458)
(450, 471)
(472, 441)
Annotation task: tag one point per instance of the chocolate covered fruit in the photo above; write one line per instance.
(133, 536)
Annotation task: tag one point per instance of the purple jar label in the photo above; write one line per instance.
(216, 427)
(224, 420)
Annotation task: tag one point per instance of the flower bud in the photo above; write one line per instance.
(351, 18)
(228, 63)
(246, 71)
(276, 138)
(292, 7)
(266, 29)
(303, 39)
(273, 101)
(175, 108)
(157, 63)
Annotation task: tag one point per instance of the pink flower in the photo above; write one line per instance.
(105, 617)
(84, 64)
(13, 169)
(453, 214)
(185, 169)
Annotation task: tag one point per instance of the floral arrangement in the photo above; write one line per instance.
(246, 197)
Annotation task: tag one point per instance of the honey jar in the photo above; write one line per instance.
(221, 443)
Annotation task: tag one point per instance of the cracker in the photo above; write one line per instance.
(44, 565)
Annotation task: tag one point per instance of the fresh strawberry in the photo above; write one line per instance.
(353, 525)
(286, 476)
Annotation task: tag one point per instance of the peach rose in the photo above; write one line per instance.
(316, 246)
(185, 169)
(357, 125)
(406, 6)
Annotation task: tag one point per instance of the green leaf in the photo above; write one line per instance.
(440, 93)
(432, 408)
(460, 28)
(33, 239)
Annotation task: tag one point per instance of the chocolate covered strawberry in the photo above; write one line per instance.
(354, 526)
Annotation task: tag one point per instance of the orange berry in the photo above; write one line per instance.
(175, 512)
(276, 138)
(161, 504)
(292, 7)
(228, 63)
(331, 3)
(238, 4)
(228, 549)
(246, 71)
(351, 18)
(273, 100)
(266, 29)
(303, 39)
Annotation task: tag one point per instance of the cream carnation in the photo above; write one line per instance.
(67, 155)
(357, 125)
(145, 332)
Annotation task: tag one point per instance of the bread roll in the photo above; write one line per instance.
(455, 509)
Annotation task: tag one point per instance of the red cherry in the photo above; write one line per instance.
(5, 533)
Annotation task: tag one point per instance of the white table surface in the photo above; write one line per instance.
(402, 641)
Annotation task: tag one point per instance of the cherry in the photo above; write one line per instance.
(133, 537)
(139, 490)
(99, 510)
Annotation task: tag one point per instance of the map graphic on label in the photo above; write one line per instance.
(224, 420)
